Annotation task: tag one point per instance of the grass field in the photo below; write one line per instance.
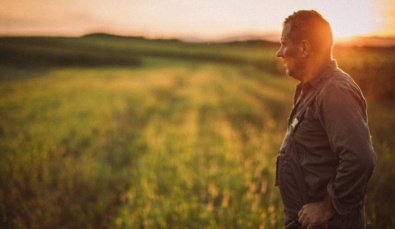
(112, 132)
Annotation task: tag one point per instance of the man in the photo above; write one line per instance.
(326, 158)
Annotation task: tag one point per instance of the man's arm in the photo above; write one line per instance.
(343, 112)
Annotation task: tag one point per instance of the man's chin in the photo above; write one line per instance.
(292, 75)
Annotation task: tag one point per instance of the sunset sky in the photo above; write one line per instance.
(204, 19)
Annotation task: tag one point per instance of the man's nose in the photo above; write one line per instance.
(280, 53)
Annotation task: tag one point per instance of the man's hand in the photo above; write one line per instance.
(317, 214)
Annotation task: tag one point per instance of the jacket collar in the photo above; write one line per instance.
(322, 74)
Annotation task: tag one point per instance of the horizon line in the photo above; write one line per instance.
(356, 40)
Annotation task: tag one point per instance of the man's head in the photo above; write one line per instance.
(306, 40)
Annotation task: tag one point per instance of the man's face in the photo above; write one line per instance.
(291, 53)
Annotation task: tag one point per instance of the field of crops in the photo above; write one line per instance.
(112, 132)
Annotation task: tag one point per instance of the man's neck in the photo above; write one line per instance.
(315, 68)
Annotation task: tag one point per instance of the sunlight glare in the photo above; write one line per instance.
(351, 18)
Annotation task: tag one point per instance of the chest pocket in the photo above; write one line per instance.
(309, 126)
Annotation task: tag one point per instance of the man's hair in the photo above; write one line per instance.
(311, 26)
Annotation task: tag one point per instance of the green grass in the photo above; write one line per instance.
(183, 136)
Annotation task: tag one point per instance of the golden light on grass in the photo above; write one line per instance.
(182, 139)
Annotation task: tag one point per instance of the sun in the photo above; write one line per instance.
(350, 18)
(352, 24)
(341, 29)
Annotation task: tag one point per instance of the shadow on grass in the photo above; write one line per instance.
(22, 58)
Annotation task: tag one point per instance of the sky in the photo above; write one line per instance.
(189, 19)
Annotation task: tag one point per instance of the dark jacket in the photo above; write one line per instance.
(332, 140)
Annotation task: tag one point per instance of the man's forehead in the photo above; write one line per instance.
(286, 31)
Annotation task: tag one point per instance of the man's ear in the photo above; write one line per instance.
(305, 48)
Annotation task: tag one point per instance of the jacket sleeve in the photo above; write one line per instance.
(344, 116)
